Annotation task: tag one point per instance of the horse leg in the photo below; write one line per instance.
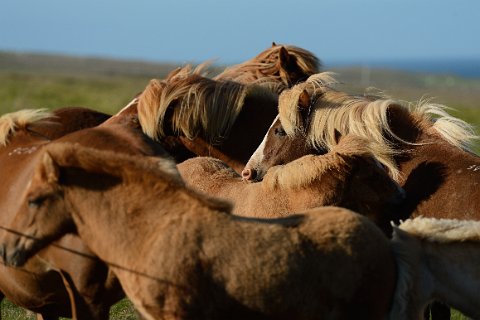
(82, 306)
(71, 292)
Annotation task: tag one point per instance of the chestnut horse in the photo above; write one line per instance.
(40, 285)
(426, 150)
(348, 176)
(428, 156)
(200, 116)
(179, 254)
(282, 64)
(437, 258)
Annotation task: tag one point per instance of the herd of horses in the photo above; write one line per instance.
(261, 193)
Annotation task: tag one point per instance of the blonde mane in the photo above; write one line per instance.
(11, 122)
(305, 170)
(265, 67)
(365, 116)
(199, 106)
(442, 230)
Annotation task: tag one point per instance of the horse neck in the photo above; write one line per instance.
(317, 180)
(210, 175)
(430, 146)
(454, 268)
(198, 146)
(440, 179)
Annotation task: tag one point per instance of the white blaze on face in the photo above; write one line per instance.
(257, 156)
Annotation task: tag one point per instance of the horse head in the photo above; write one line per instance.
(41, 217)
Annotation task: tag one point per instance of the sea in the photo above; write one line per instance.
(467, 68)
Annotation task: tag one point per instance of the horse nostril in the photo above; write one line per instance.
(249, 174)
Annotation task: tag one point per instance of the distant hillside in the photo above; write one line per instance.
(453, 90)
(59, 64)
(463, 67)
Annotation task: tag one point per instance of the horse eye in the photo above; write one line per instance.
(280, 132)
(36, 202)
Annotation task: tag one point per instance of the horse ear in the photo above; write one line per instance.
(304, 100)
(284, 58)
(274, 44)
(48, 171)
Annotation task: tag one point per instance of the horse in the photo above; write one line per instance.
(348, 176)
(180, 254)
(200, 116)
(424, 148)
(57, 282)
(437, 258)
(283, 64)
(429, 157)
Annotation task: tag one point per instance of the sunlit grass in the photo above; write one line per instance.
(103, 93)
(123, 310)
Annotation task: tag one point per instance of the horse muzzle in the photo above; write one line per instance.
(17, 258)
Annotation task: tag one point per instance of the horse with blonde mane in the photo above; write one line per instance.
(437, 259)
(348, 176)
(58, 282)
(195, 115)
(424, 149)
(285, 65)
(324, 263)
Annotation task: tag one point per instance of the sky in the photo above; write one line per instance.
(233, 31)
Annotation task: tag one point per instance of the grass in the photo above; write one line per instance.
(123, 310)
(33, 81)
(107, 94)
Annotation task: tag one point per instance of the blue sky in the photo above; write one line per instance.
(233, 31)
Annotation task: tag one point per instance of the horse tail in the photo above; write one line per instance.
(11, 122)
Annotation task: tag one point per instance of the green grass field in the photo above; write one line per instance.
(108, 86)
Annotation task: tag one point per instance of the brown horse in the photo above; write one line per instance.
(348, 176)
(437, 258)
(428, 156)
(39, 286)
(181, 255)
(200, 116)
(282, 64)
